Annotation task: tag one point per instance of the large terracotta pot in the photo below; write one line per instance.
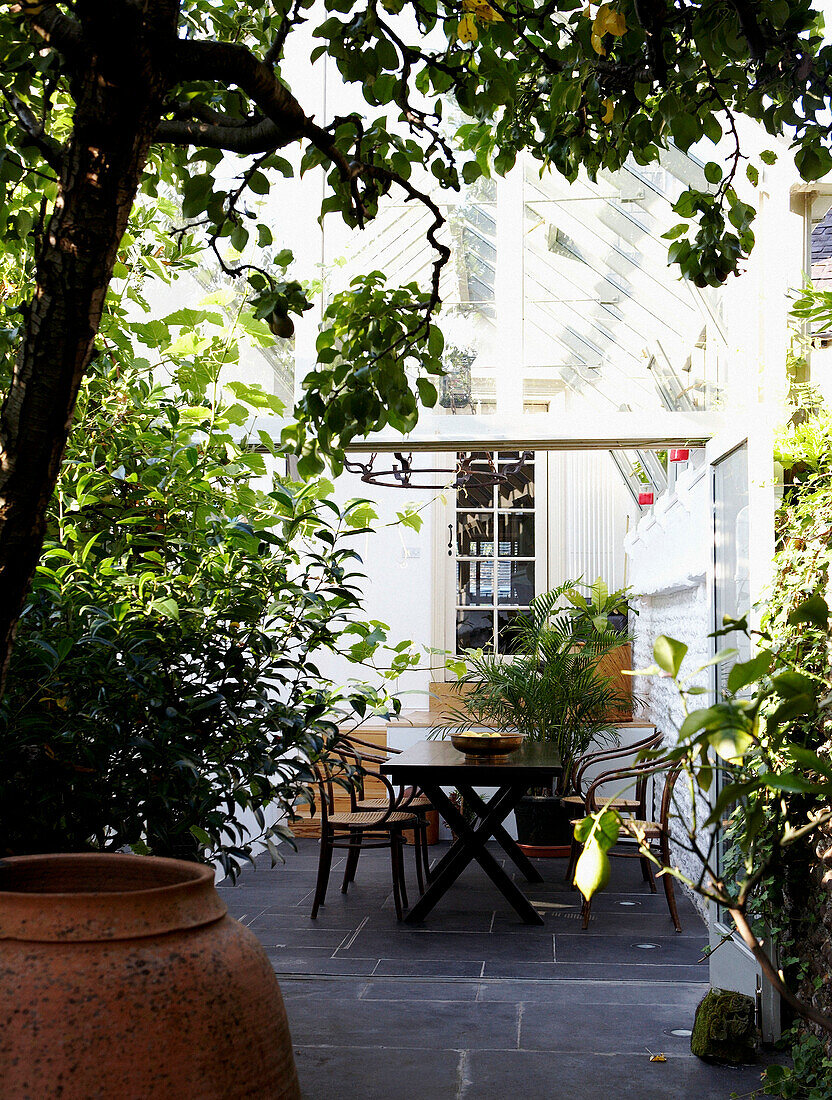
(123, 977)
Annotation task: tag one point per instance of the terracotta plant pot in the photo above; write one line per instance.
(123, 976)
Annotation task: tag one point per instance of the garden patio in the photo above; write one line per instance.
(474, 1004)
(435, 386)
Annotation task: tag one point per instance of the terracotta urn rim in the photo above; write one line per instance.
(94, 896)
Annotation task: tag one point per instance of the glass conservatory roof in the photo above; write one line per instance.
(590, 308)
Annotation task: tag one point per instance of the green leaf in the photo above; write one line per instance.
(731, 744)
(713, 172)
(167, 607)
(814, 611)
(592, 872)
(749, 672)
(669, 654)
(204, 838)
(427, 392)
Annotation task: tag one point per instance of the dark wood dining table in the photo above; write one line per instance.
(432, 765)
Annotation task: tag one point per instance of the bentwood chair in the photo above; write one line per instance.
(634, 803)
(654, 835)
(357, 829)
(409, 800)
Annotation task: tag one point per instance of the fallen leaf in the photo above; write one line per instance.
(657, 1058)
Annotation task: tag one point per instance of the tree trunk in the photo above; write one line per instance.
(118, 103)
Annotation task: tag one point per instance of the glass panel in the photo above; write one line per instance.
(475, 495)
(474, 630)
(515, 582)
(518, 491)
(507, 627)
(475, 582)
(516, 536)
(475, 534)
(731, 588)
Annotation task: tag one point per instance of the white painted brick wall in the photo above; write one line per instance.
(669, 555)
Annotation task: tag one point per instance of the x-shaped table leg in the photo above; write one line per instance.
(506, 842)
(470, 844)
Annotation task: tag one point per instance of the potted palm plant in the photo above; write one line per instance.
(599, 610)
(549, 690)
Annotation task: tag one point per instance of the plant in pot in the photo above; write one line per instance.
(549, 690)
(596, 610)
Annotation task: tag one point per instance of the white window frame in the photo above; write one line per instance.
(445, 557)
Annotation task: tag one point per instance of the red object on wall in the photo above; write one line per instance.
(645, 498)
(681, 454)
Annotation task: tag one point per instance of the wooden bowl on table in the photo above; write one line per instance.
(486, 746)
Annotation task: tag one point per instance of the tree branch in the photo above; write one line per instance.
(53, 152)
(768, 969)
(254, 136)
(232, 63)
(61, 32)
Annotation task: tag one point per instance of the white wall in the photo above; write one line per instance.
(670, 557)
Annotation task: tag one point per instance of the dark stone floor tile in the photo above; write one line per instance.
(430, 969)
(350, 1073)
(682, 994)
(443, 919)
(416, 944)
(673, 949)
(324, 990)
(544, 1076)
(604, 1029)
(297, 965)
(408, 990)
(592, 971)
(435, 1025)
(299, 940)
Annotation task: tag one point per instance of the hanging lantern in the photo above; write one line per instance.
(645, 497)
(679, 454)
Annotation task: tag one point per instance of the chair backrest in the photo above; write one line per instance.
(642, 773)
(673, 772)
(327, 772)
(604, 756)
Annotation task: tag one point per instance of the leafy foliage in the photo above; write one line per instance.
(580, 87)
(808, 1077)
(165, 693)
(550, 690)
(594, 608)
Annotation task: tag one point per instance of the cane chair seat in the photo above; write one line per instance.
(648, 829)
(362, 820)
(623, 805)
(419, 802)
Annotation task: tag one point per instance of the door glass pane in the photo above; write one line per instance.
(507, 631)
(474, 630)
(516, 536)
(515, 582)
(475, 495)
(475, 582)
(518, 491)
(475, 534)
(495, 551)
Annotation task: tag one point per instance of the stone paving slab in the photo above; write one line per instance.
(474, 1005)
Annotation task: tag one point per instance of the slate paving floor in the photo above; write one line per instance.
(473, 1004)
